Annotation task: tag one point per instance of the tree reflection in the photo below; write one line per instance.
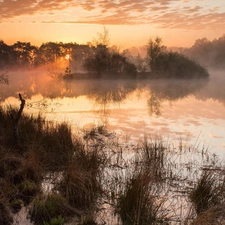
(171, 90)
(4, 78)
(103, 93)
(112, 92)
(154, 104)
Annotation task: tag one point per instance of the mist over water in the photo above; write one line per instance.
(189, 110)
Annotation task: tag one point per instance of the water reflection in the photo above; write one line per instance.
(184, 107)
(100, 91)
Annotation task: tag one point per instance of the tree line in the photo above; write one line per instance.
(102, 60)
(210, 54)
(25, 55)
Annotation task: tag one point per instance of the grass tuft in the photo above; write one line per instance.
(47, 208)
(208, 192)
(80, 183)
(138, 204)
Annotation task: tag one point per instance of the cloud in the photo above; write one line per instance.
(188, 14)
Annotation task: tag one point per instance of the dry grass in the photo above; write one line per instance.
(143, 183)
(46, 207)
(140, 203)
(213, 216)
(80, 183)
(208, 192)
(5, 213)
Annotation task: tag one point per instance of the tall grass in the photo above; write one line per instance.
(212, 216)
(140, 203)
(208, 192)
(144, 183)
(5, 213)
(48, 208)
(80, 183)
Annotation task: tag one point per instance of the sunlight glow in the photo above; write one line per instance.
(67, 56)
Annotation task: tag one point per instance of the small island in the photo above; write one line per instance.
(107, 63)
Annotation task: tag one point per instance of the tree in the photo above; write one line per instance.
(154, 49)
(24, 53)
(5, 53)
(49, 52)
(98, 62)
(104, 62)
(166, 64)
(102, 38)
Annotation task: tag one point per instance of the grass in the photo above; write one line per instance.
(139, 204)
(80, 183)
(50, 209)
(145, 183)
(208, 192)
(56, 221)
(53, 143)
(214, 215)
(140, 200)
(87, 220)
(47, 148)
(5, 213)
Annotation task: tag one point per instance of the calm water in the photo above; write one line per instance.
(192, 111)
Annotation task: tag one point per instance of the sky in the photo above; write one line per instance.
(129, 22)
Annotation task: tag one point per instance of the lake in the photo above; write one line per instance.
(187, 111)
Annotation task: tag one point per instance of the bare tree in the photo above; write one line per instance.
(102, 38)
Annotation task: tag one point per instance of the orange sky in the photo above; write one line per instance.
(129, 22)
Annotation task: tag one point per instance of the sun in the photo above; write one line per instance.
(67, 56)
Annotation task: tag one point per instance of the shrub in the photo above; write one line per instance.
(176, 65)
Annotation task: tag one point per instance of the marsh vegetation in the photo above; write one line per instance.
(62, 177)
